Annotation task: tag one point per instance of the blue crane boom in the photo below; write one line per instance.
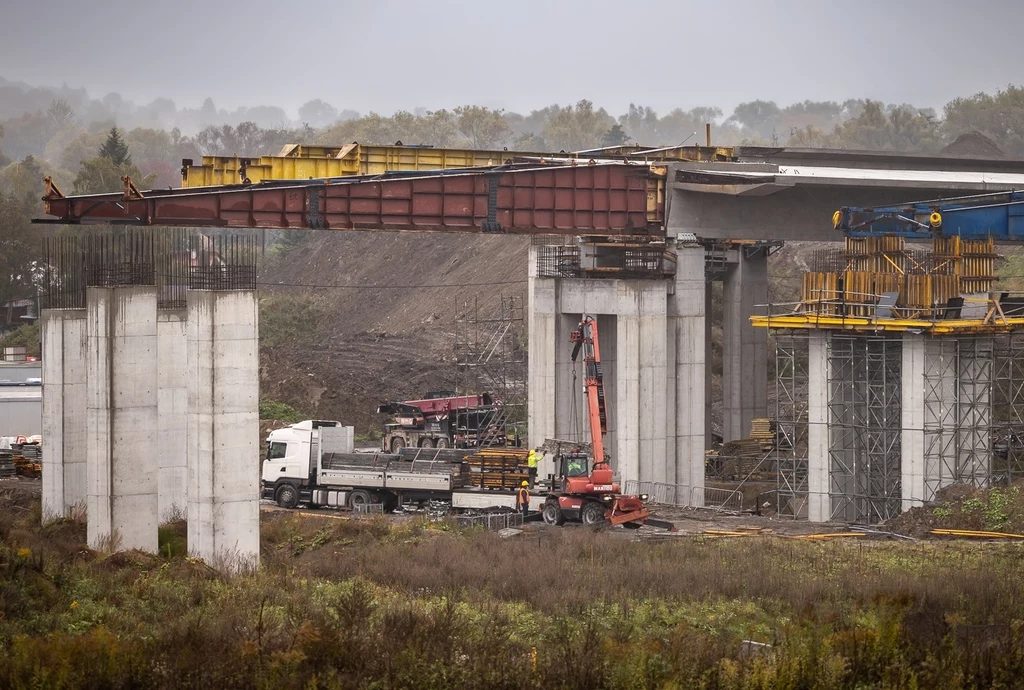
(999, 215)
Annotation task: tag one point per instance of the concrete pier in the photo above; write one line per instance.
(223, 426)
(64, 412)
(172, 409)
(744, 348)
(688, 310)
(912, 423)
(653, 340)
(121, 382)
(819, 506)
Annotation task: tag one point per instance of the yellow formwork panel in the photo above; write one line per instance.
(298, 162)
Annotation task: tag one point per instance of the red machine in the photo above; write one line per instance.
(589, 494)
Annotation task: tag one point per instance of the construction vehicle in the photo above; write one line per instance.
(312, 463)
(997, 215)
(443, 419)
(586, 489)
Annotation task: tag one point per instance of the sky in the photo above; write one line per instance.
(383, 55)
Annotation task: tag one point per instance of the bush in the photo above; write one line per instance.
(279, 411)
(26, 335)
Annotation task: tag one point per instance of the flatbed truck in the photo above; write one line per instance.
(312, 463)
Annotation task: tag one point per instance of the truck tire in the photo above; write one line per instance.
(358, 498)
(287, 496)
(426, 443)
(552, 514)
(442, 443)
(397, 444)
(592, 513)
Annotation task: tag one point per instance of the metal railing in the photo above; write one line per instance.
(685, 496)
(490, 521)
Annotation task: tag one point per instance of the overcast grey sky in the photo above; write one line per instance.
(519, 55)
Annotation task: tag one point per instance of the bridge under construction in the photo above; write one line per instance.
(635, 235)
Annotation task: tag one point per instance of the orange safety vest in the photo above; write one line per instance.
(523, 498)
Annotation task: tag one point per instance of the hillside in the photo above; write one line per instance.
(389, 337)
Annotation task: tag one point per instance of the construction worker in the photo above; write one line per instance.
(531, 463)
(575, 467)
(523, 498)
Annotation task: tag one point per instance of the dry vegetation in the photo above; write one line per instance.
(361, 604)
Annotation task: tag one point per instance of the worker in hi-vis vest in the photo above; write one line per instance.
(523, 498)
(531, 462)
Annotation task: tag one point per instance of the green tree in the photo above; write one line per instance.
(483, 127)
(115, 149)
(578, 127)
(100, 175)
(999, 117)
(615, 136)
(888, 128)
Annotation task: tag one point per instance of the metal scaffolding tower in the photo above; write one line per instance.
(864, 389)
(490, 354)
(791, 422)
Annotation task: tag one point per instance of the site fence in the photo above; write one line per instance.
(490, 521)
(684, 496)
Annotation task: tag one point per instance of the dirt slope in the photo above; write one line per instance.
(392, 335)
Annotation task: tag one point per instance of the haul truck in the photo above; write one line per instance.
(312, 462)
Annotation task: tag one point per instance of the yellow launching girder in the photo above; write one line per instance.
(300, 162)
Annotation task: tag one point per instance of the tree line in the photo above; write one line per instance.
(88, 145)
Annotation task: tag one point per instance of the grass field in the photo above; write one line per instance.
(343, 603)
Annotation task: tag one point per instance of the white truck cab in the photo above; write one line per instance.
(290, 463)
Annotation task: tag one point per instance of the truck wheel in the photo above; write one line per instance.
(592, 513)
(397, 444)
(553, 514)
(359, 498)
(287, 496)
(426, 443)
(442, 443)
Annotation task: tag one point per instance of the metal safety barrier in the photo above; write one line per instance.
(368, 509)
(490, 521)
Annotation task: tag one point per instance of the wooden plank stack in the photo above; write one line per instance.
(498, 468)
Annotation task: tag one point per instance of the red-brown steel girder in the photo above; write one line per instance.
(605, 199)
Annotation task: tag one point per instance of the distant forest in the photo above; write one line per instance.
(87, 144)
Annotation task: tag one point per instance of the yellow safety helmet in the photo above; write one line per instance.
(525, 483)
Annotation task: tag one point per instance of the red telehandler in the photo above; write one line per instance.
(587, 492)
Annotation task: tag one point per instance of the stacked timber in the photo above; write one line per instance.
(7, 464)
(498, 468)
(28, 460)
(762, 429)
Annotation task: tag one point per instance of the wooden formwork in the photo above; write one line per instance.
(924, 282)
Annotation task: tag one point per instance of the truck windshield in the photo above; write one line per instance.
(276, 450)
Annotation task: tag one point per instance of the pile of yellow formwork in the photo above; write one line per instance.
(924, 282)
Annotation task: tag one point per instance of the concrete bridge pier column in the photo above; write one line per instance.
(819, 504)
(223, 427)
(912, 421)
(64, 411)
(172, 407)
(121, 381)
(687, 315)
(744, 348)
(542, 315)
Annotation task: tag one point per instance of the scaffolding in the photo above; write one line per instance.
(791, 423)
(865, 419)
(1007, 408)
(490, 356)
